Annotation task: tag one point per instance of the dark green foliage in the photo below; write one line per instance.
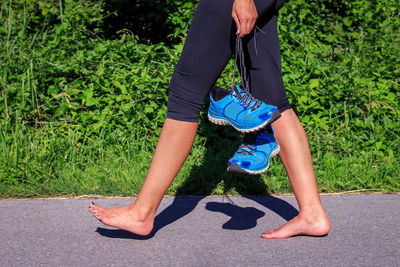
(150, 20)
(84, 89)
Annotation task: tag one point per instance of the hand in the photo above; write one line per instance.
(245, 14)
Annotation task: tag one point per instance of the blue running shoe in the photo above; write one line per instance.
(253, 155)
(240, 109)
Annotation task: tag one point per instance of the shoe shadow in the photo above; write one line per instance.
(204, 179)
(244, 218)
(241, 218)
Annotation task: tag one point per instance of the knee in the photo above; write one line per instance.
(182, 109)
(184, 99)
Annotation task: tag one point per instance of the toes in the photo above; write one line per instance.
(271, 234)
(97, 216)
(92, 205)
(266, 233)
(94, 208)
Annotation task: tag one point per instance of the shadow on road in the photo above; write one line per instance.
(205, 178)
(241, 218)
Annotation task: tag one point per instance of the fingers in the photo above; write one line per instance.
(248, 24)
(244, 25)
(245, 16)
(236, 19)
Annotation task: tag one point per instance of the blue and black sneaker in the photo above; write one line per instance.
(240, 109)
(253, 155)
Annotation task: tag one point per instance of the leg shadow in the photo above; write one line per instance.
(279, 206)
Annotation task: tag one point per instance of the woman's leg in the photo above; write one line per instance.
(267, 85)
(205, 54)
(296, 157)
(173, 146)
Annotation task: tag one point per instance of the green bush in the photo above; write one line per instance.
(340, 64)
(87, 74)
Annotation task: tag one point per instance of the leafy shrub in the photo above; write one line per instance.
(340, 64)
(102, 68)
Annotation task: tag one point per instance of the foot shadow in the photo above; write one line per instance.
(122, 234)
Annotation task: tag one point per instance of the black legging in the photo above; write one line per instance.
(209, 46)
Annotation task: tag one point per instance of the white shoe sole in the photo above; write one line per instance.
(275, 115)
(234, 167)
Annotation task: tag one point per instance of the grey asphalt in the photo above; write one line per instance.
(197, 231)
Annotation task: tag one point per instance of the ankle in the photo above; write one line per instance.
(143, 213)
(316, 218)
(312, 213)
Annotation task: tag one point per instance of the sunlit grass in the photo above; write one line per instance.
(42, 163)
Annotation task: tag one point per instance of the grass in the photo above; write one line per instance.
(38, 164)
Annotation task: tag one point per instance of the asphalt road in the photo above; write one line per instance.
(196, 231)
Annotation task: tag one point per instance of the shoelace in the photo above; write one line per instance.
(255, 37)
(239, 55)
(244, 97)
(246, 149)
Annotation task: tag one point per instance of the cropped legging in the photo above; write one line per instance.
(210, 44)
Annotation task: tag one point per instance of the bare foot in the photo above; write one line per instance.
(126, 218)
(303, 224)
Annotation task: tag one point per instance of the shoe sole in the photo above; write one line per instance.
(234, 167)
(275, 115)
